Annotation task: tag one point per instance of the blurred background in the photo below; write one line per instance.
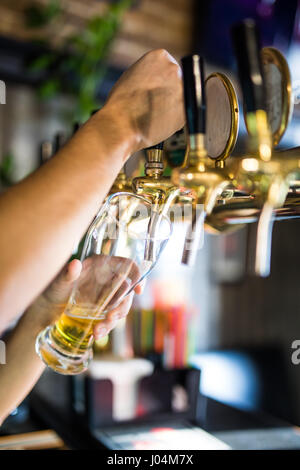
(58, 60)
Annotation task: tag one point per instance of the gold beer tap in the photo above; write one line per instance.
(263, 184)
(283, 188)
(279, 105)
(264, 176)
(206, 179)
(158, 189)
(154, 185)
(222, 122)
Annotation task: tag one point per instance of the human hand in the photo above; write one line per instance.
(48, 306)
(149, 99)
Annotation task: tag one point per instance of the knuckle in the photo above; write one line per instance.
(159, 53)
(162, 52)
(175, 69)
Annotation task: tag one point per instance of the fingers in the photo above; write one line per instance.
(59, 290)
(122, 310)
(157, 110)
(107, 278)
(104, 327)
(140, 287)
(69, 273)
(73, 270)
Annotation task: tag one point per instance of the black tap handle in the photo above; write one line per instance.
(246, 44)
(194, 93)
(159, 146)
(76, 126)
(59, 140)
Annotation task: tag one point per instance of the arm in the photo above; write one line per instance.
(23, 367)
(43, 216)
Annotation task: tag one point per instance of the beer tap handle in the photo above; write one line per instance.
(194, 93)
(59, 141)
(195, 109)
(246, 44)
(154, 165)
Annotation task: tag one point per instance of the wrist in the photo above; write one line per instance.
(40, 315)
(114, 127)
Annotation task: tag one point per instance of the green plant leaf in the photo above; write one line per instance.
(42, 62)
(49, 88)
(6, 169)
(80, 73)
(37, 16)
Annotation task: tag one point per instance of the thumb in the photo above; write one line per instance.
(61, 287)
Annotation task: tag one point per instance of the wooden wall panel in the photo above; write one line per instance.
(150, 24)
